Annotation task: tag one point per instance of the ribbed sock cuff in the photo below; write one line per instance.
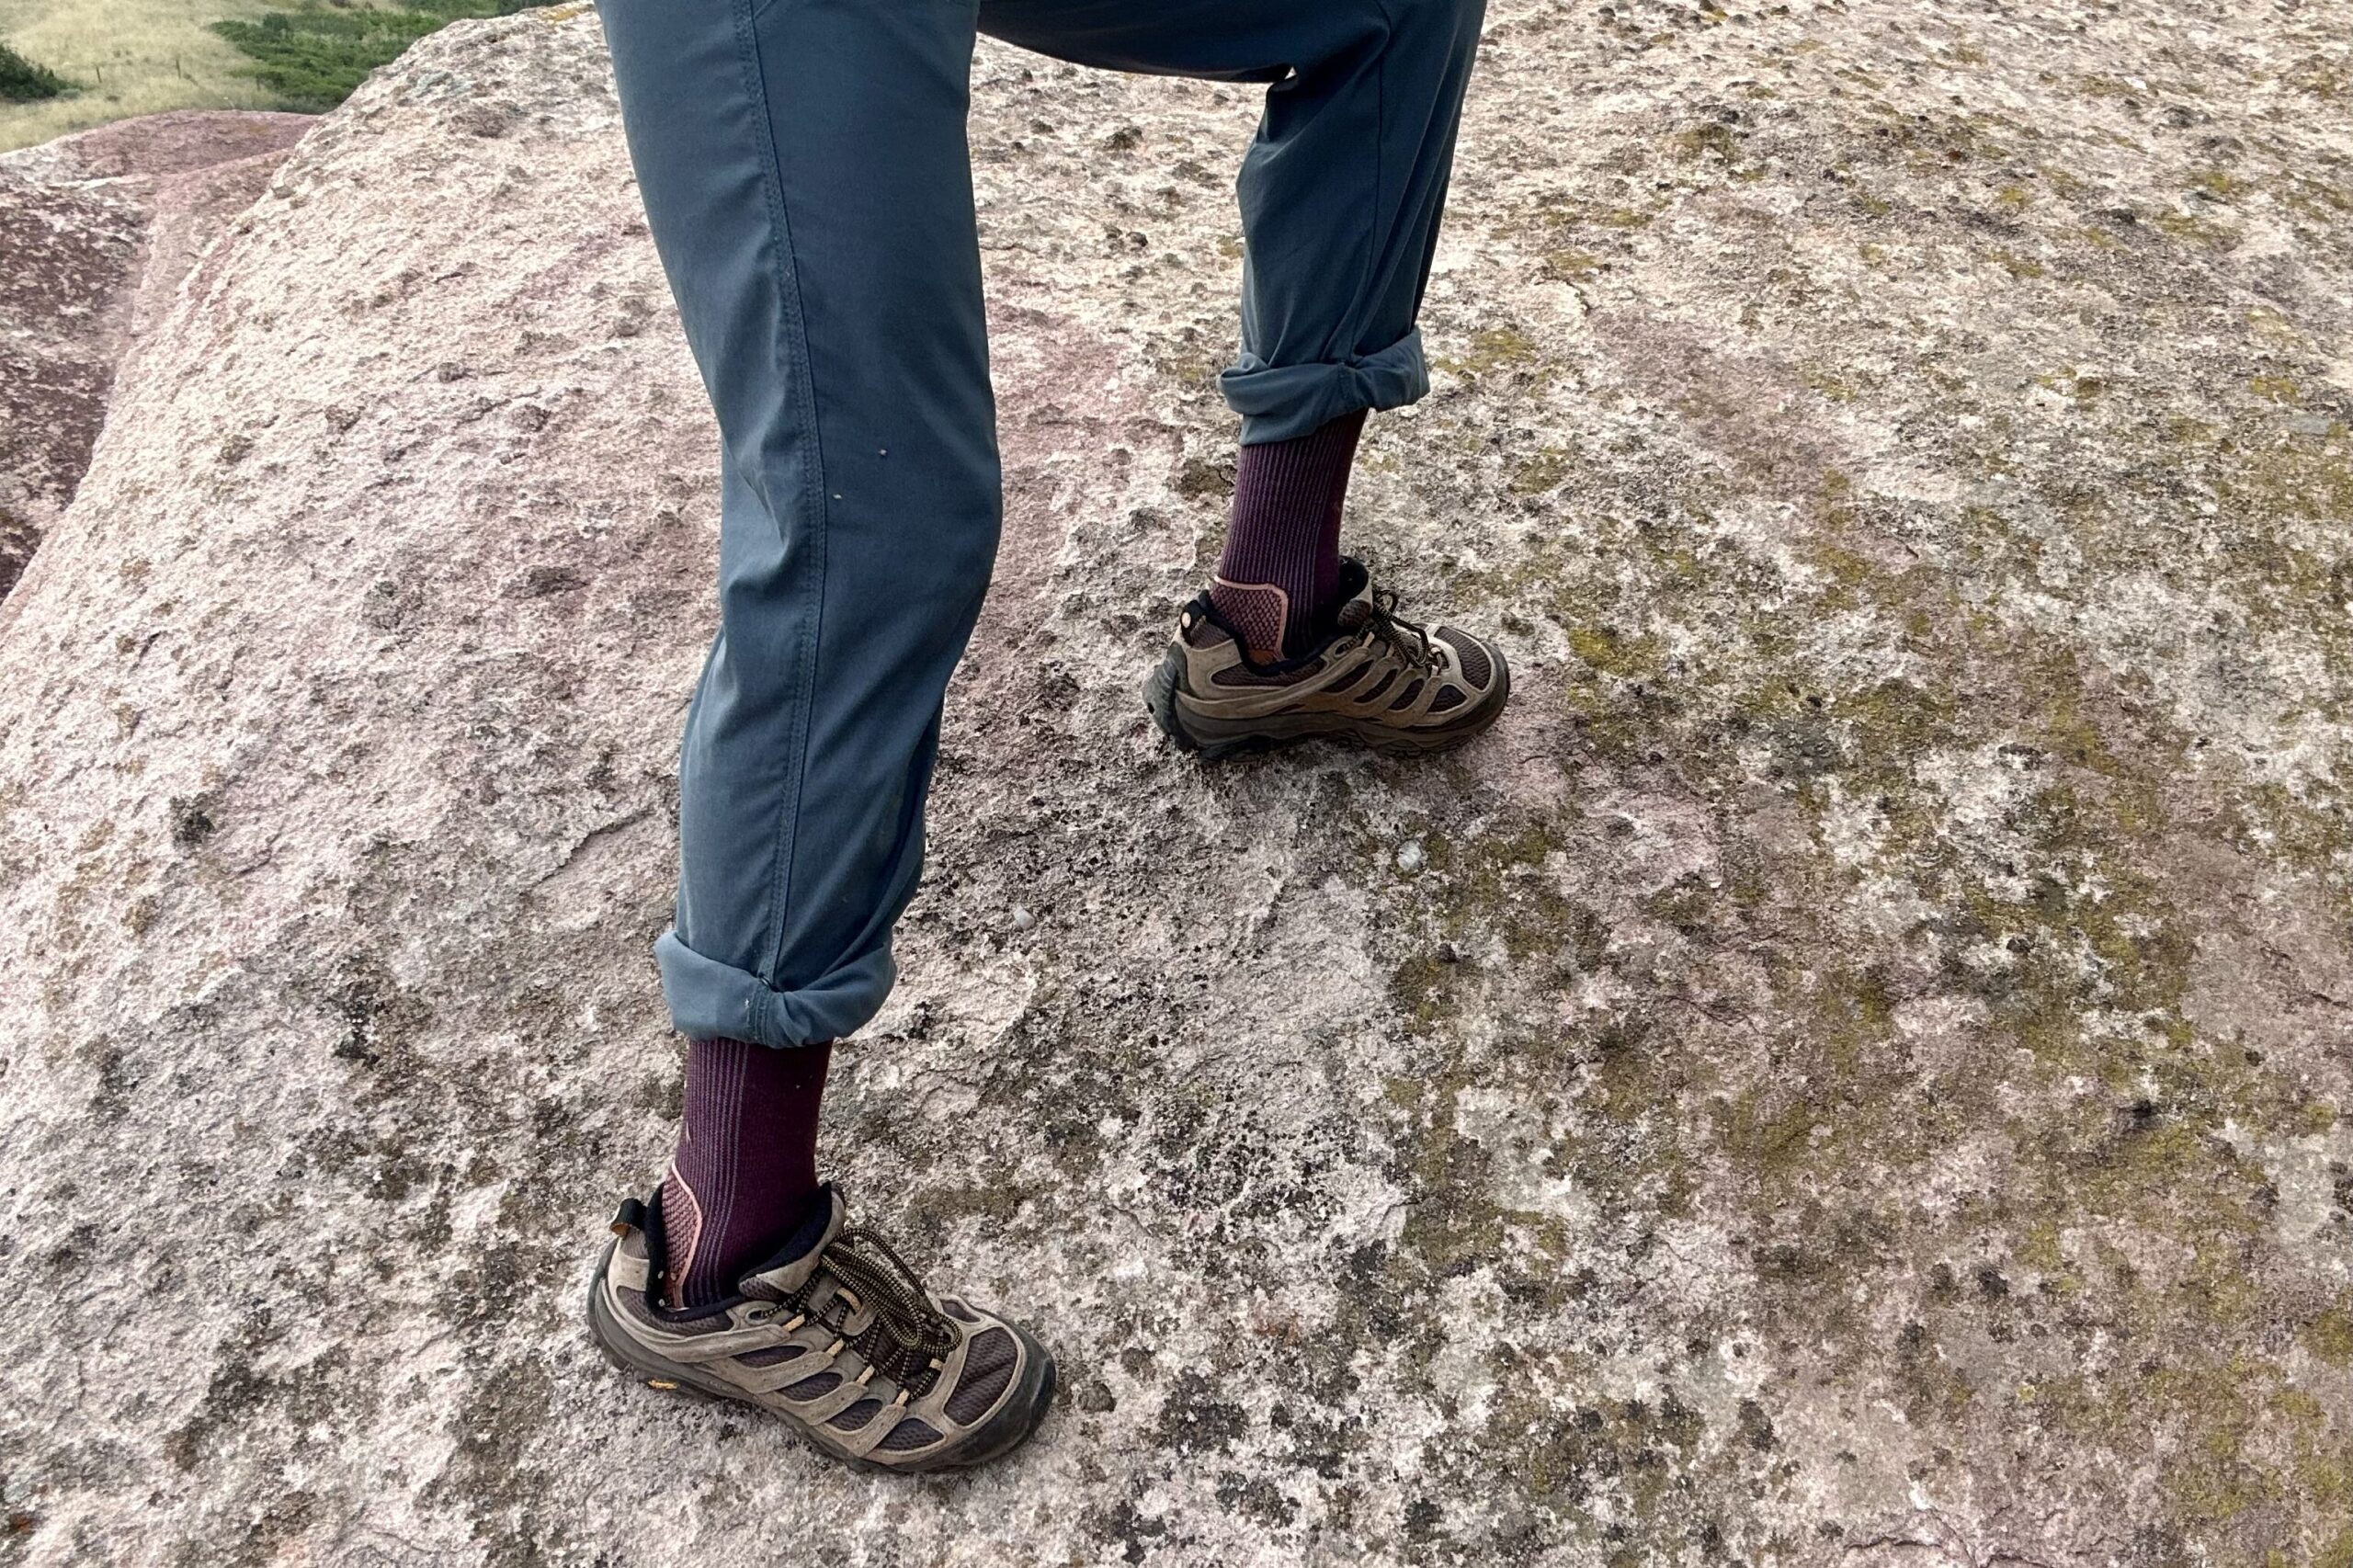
(747, 1160)
(1280, 569)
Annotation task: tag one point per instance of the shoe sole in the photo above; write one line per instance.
(1016, 1419)
(1211, 738)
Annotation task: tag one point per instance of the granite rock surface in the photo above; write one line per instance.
(97, 229)
(1856, 1069)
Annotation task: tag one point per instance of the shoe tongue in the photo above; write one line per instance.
(1344, 612)
(1356, 582)
(1354, 606)
(788, 1270)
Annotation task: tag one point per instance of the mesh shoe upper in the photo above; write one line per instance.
(835, 1334)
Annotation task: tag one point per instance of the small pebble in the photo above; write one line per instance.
(1022, 918)
(1409, 856)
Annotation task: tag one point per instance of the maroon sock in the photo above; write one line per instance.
(747, 1162)
(1281, 566)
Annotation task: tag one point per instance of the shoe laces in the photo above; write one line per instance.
(1376, 618)
(879, 1277)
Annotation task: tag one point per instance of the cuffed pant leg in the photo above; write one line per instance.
(1341, 190)
(1341, 194)
(804, 172)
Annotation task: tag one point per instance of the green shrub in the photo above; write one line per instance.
(22, 82)
(313, 57)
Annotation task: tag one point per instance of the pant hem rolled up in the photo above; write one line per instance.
(710, 1000)
(1279, 401)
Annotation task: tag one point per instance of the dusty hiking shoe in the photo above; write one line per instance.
(1372, 677)
(836, 1336)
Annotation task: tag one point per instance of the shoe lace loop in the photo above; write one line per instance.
(880, 1278)
(1377, 617)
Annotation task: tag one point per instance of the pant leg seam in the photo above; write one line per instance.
(1353, 349)
(1348, 349)
(793, 345)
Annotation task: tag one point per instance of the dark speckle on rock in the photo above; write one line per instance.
(1193, 1420)
(192, 820)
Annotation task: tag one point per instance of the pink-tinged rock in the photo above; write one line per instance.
(97, 229)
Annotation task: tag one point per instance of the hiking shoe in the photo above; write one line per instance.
(1371, 677)
(836, 1336)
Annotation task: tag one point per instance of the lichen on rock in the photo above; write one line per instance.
(1852, 1069)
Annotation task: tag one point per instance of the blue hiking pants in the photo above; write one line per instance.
(803, 168)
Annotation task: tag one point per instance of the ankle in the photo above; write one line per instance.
(1281, 561)
(746, 1164)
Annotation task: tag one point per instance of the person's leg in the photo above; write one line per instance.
(1341, 193)
(1345, 181)
(803, 168)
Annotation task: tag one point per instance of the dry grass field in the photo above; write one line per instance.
(127, 57)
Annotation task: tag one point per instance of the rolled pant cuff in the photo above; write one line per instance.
(1278, 402)
(709, 1000)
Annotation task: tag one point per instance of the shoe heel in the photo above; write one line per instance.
(613, 1346)
(1160, 698)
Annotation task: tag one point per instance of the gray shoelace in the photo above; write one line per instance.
(1377, 617)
